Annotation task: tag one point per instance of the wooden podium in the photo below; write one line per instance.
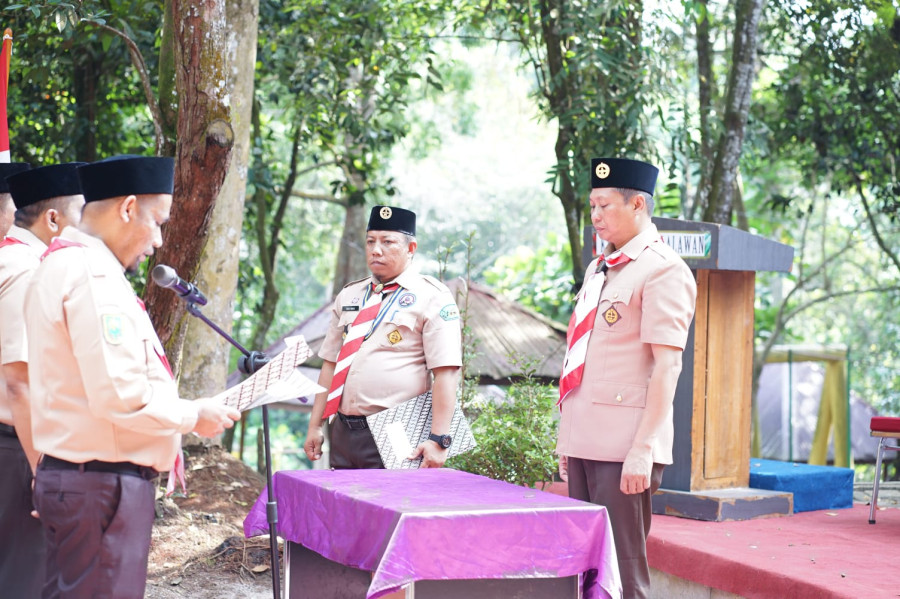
(711, 471)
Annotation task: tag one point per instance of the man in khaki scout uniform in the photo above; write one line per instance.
(105, 409)
(616, 429)
(414, 338)
(47, 199)
(7, 208)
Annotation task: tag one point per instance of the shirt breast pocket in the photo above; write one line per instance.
(615, 313)
(398, 331)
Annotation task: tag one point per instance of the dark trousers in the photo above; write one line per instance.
(352, 448)
(97, 526)
(629, 515)
(22, 548)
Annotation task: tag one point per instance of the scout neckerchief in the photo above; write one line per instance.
(582, 323)
(365, 323)
(10, 241)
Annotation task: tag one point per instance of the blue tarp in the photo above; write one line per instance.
(814, 487)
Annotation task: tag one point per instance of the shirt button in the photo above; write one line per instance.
(616, 294)
(619, 398)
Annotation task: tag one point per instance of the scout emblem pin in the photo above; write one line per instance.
(611, 316)
(602, 170)
(394, 337)
(385, 212)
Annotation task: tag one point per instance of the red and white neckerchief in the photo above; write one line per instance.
(370, 315)
(10, 241)
(582, 323)
(60, 244)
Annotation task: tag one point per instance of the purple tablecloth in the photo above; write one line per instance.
(440, 524)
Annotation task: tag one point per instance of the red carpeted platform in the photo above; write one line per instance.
(815, 555)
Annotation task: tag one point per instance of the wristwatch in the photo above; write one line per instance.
(443, 441)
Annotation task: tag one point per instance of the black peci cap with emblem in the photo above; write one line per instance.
(8, 169)
(624, 173)
(126, 175)
(43, 183)
(388, 218)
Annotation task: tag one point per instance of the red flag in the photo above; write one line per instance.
(5, 54)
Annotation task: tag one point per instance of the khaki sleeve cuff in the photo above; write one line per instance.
(189, 417)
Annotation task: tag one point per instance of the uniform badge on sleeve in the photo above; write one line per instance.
(113, 328)
(450, 312)
(395, 337)
(611, 316)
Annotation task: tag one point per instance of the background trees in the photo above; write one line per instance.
(779, 118)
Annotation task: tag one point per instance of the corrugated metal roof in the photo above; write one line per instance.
(505, 331)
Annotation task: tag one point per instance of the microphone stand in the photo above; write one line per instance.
(249, 363)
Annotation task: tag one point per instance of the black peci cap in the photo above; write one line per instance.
(624, 173)
(10, 168)
(43, 183)
(388, 218)
(126, 175)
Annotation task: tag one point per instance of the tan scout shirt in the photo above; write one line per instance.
(17, 262)
(654, 296)
(99, 388)
(420, 332)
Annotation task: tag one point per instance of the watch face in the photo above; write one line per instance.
(446, 441)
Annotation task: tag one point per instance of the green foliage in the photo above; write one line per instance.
(516, 439)
(73, 93)
(537, 277)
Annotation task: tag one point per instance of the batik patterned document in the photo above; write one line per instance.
(279, 380)
(399, 430)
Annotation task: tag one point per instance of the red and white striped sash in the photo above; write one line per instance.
(364, 324)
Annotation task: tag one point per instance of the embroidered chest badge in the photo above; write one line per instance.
(611, 316)
(406, 300)
(112, 328)
(395, 337)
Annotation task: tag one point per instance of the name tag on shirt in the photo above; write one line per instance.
(350, 308)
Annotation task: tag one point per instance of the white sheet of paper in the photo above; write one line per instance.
(396, 434)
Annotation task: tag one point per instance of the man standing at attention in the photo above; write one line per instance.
(46, 199)
(106, 414)
(390, 335)
(625, 341)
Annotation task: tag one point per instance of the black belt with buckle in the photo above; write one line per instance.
(356, 423)
(126, 468)
(8, 431)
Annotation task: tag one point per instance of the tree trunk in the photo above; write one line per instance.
(85, 80)
(351, 259)
(202, 157)
(205, 354)
(557, 93)
(705, 89)
(737, 107)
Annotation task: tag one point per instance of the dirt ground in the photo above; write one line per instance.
(198, 548)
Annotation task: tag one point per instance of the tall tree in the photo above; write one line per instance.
(592, 80)
(205, 353)
(742, 74)
(203, 152)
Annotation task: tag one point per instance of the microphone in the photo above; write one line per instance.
(165, 276)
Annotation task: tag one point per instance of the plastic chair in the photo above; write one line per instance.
(886, 427)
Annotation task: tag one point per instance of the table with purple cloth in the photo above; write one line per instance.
(404, 526)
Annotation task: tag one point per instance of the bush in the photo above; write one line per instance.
(515, 439)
